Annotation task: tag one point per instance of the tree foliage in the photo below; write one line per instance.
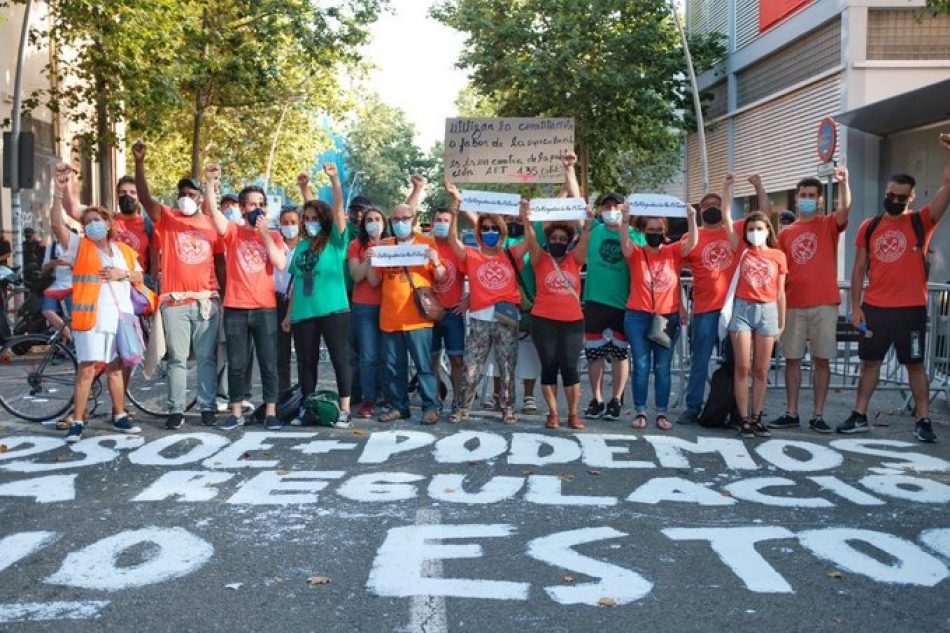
(616, 66)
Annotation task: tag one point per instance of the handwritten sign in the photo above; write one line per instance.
(656, 205)
(558, 209)
(400, 255)
(507, 149)
(490, 202)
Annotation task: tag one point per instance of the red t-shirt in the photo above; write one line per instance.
(186, 245)
(759, 275)
(657, 289)
(363, 292)
(811, 250)
(553, 299)
(490, 279)
(449, 291)
(896, 277)
(713, 263)
(130, 230)
(250, 271)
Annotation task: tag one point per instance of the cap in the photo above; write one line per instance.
(190, 183)
(361, 201)
(612, 196)
(786, 217)
(230, 197)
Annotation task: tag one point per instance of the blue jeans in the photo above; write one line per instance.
(365, 319)
(647, 355)
(704, 332)
(396, 347)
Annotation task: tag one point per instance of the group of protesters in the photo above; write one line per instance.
(511, 304)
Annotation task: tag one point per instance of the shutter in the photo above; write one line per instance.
(747, 22)
(716, 148)
(707, 16)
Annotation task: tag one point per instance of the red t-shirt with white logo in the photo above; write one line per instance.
(250, 271)
(449, 290)
(130, 230)
(656, 289)
(363, 292)
(759, 273)
(811, 250)
(713, 263)
(491, 280)
(553, 299)
(186, 245)
(896, 277)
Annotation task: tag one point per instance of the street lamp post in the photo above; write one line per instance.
(697, 105)
(273, 146)
(16, 207)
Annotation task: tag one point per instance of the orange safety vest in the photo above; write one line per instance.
(86, 282)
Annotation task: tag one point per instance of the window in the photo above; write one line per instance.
(907, 34)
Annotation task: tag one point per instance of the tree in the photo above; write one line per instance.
(938, 6)
(616, 66)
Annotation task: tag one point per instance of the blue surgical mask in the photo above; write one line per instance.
(374, 229)
(313, 228)
(490, 238)
(441, 229)
(402, 229)
(97, 230)
(233, 214)
(290, 231)
(807, 206)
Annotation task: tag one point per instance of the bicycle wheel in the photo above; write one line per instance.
(151, 396)
(38, 378)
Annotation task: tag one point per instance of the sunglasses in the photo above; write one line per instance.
(488, 227)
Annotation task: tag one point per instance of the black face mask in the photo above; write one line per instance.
(654, 239)
(515, 229)
(894, 207)
(712, 215)
(557, 249)
(128, 204)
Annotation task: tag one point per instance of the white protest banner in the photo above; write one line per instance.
(558, 209)
(656, 205)
(400, 255)
(490, 202)
(507, 149)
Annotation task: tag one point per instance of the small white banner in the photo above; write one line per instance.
(490, 202)
(400, 255)
(558, 209)
(656, 205)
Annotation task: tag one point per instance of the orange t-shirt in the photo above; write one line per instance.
(553, 299)
(250, 271)
(896, 277)
(811, 250)
(659, 283)
(397, 306)
(130, 230)
(363, 292)
(187, 248)
(491, 280)
(713, 263)
(759, 275)
(449, 291)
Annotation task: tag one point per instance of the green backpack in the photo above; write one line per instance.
(324, 406)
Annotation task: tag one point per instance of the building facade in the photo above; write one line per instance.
(880, 68)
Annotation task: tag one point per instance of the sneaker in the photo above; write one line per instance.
(819, 425)
(612, 410)
(856, 423)
(924, 431)
(300, 419)
(530, 405)
(75, 432)
(208, 418)
(174, 421)
(393, 416)
(594, 410)
(787, 421)
(343, 421)
(366, 409)
(230, 423)
(123, 424)
(687, 417)
(221, 404)
(273, 423)
(430, 417)
(247, 405)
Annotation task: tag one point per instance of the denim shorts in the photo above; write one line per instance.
(450, 331)
(758, 318)
(56, 306)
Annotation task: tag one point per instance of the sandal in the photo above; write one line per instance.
(758, 428)
(745, 428)
(663, 423)
(640, 422)
(553, 422)
(459, 415)
(575, 423)
(509, 417)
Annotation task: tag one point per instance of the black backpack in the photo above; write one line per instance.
(288, 405)
(721, 403)
(918, 225)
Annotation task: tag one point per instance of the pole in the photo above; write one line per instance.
(273, 148)
(352, 188)
(697, 105)
(15, 205)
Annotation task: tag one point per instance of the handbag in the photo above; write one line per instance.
(426, 300)
(725, 315)
(129, 343)
(661, 329)
(527, 299)
(508, 314)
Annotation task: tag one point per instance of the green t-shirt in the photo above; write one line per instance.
(326, 270)
(608, 278)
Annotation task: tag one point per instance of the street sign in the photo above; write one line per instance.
(827, 139)
(826, 169)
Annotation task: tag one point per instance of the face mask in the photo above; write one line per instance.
(557, 250)
(611, 218)
(402, 229)
(253, 216)
(374, 229)
(290, 231)
(187, 206)
(490, 238)
(441, 229)
(757, 237)
(128, 204)
(313, 228)
(233, 214)
(97, 230)
(893, 206)
(712, 215)
(515, 229)
(807, 206)
(654, 239)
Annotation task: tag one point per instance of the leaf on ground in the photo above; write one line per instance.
(477, 462)
(358, 432)
(234, 585)
(607, 602)
(527, 472)
(725, 493)
(566, 477)
(278, 579)
(568, 578)
(282, 472)
(449, 490)
(4, 448)
(319, 580)
(837, 575)
(593, 472)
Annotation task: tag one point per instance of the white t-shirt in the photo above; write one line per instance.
(62, 275)
(282, 277)
(111, 302)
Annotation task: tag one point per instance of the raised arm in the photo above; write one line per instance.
(626, 243)
(454, 242)
(275, 253)
(765, 205)
(580, 252)
(530, 238)
(71, 202)
(303, 181)
(152, 206)
(571, 188)
(212, 174)
(727, 211)
(418, 188)
(61, 184)
(339, 212)
(857, 285)
(844, 196)
(941, 199)
(692, 234)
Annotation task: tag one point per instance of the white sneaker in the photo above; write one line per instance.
(247, 405)
(221, 404)
(343, 422)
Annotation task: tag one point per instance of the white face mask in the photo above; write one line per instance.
(187, 206)
(611, 218)
(757, 237)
